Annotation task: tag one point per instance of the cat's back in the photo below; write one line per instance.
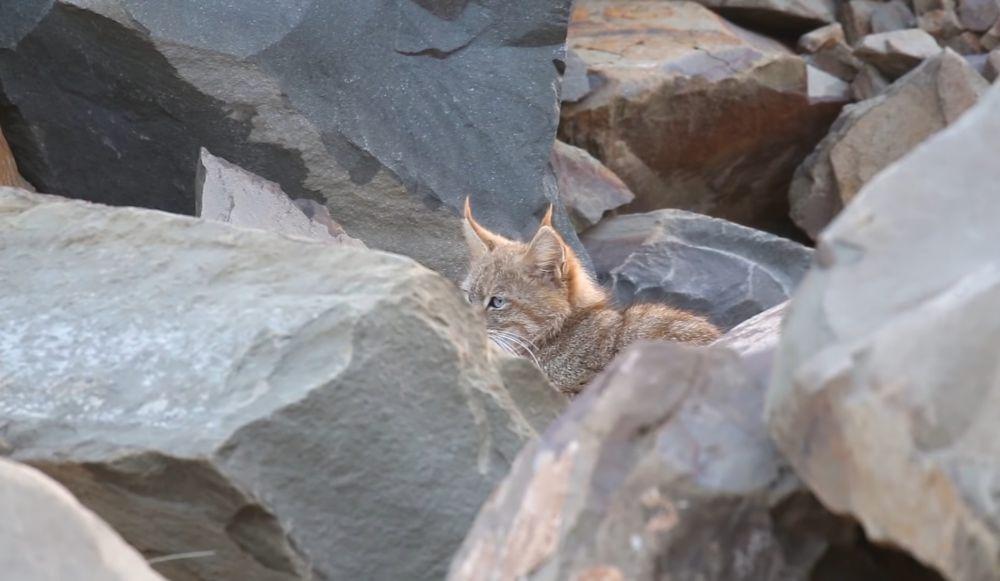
(655, 322)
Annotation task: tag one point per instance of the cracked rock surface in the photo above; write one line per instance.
(299, 409)
(692, 112)
(886, 393)
(390, 113)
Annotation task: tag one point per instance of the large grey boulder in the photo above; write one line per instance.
(228, 193)
(726, 271)
(662, 465)
(693, 112)
(870, 135)
(47, 535)
(303, 410)
(886, 395)
(391, 112)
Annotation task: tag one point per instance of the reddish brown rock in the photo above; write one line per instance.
(587, 188)
(9, 176)
(691, 111)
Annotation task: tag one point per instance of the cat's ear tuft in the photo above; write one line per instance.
(547, 218)
(547, 253)
(480, 240)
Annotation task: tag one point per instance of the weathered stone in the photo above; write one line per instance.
(867, 84)
(692, 112)
(724, 270)
(575, 80)
(824, 86)
(838, 60)
(886, 395)
(966, 43)
(978, 15)
(941, 24)
(778, 17)
(587, 189)
(894, 15)
(991, 39)
(390, 112)
(758, 334)
(9, 176)
(898, 52)
(228, 193)
(992, 69)
(303, 410)
(872, 134)
(823, 37)
(46, 535)
(856, 17)
(662, 465)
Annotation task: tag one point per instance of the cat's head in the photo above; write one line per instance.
(526, 290)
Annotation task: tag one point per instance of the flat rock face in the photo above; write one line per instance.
(301, 409)
(47, 535)
(228, 193)
(869, 136)
(662, 465)
(691, 111)
(711, 266)
(897, 52)
(587, 188)
(390, 112)
(9, 176)
(886, 396)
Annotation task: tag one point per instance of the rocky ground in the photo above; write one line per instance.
(231, 346)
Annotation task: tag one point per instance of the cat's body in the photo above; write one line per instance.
(540, 303)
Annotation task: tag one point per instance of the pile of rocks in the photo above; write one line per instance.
(284, 383)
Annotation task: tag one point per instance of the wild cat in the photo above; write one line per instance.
(541, 303)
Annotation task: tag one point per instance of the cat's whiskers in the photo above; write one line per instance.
(520, 342)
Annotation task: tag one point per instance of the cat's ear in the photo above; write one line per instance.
(480, 240)
(547, 253)
(547, 218)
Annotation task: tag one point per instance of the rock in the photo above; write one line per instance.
(735, 106)
(391, 113)
(838, 60)
(575, 81)
(302, 409)
(856, 16)
(777, 17)
(9, 176)
(824, 37)
(942, 24)
(227, 193)
(966, 43)
(991, 40)
(896, 53)
(587, 189)
(871, 135)
(867, 84)
(662, 465)
(893, 15)
(758, 334)
(886, 395)
(711, 266)
(978, 15)
(48, 536)
(826, 87)
(992, 69)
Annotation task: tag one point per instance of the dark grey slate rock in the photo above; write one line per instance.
(726, 271)
(303, 410)
(390, 113)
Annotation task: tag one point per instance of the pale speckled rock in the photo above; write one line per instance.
(587, 188)
(47, 535)
(734, 105)
(663, 464)
(886, 395)
(870, 135)
(225, 192)
(897, 52)
(711, 266)
(302, 409)
(389, 112)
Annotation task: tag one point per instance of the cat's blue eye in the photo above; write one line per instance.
(497, 302)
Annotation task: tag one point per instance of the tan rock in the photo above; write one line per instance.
(966, 43)
(692, 112)
(991, 39)
(872, 134)
(824, 37)
(942, 23)
(868, 83)
(587, 188)
(886, 396)
(9, 176)
(856, 16)
(47, 535)
(896, 53)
